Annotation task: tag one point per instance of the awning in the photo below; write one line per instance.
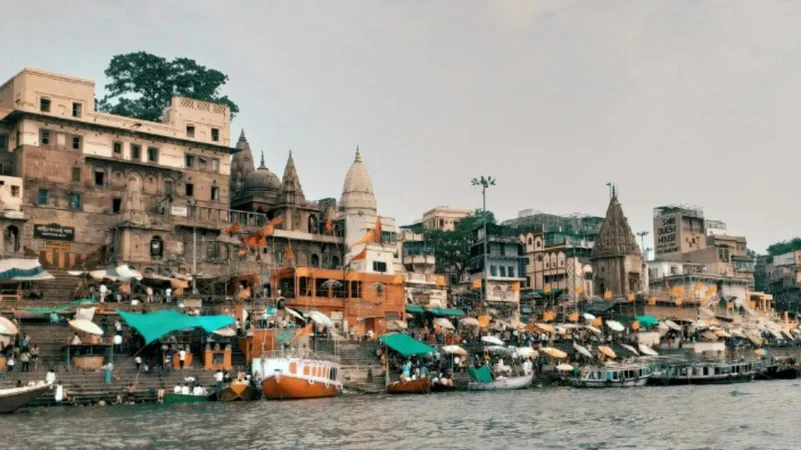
(446, 312)
(405, 345)
(121, 273)
(159, 323)
(15, 270)
(415, 309)
(647, 321)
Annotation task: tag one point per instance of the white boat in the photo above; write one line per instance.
(629, 375)
(15, 398)
(705, 372)
(522, 382)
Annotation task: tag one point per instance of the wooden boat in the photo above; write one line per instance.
(709, 372)
(300, 378)
(521, 382)
(418, 386)
(438, 387)
(777, 371)
(237, 392)
(13, 399)
(172, 398)
(612, 376)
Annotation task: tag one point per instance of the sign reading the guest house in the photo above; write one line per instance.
(53, 232)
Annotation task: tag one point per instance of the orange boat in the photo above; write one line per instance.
(299, 378)
(419, 386)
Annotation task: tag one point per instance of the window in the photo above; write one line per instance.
(100, 178)
(511, 271)
(42, 197)
(116, 205)
(190, 131)
(215, 134)
(136, 152)
(44, 104)
(494, 270)
(202, 163)
(211, 250)
(153, 154)
(44, 137)
(503, 271)
(117, 146)
(156, 248)
(76, 174)
(168, 187)
(15, 191)
(189, 160)
(190, 189)
(3, 142)
(215, 165)
(215, 194)
(379, 266)
(76, 142)
(75, 201)
(76, 109)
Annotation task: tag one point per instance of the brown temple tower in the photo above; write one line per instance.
(616, 257)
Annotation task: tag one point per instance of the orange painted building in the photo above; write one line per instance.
(363, 301)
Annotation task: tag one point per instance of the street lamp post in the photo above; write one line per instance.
(484, 182)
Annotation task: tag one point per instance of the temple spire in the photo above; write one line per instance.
(242, 135)
(358, 157)
(262, 165)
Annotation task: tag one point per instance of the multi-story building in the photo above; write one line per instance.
(114, 189)
(558, 261)
(783, 280)
(444, 218)
(678, 229)
(423, 285)
(505, 266)
(577, 225)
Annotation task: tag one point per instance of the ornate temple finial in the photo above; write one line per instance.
(290, 154)
(242, 135)
(262, 166)
(358, 155)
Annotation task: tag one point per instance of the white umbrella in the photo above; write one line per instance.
(588, 317)
(582, 350)
(646, 350)
(7, 327)
(321, 319)
(564, 367)
(86, 326)
(295, 313)
(492, 340)
(444, 323)
(227, 332)
(499, 349)
(454, 350)
(525, 352)
(394, 325)
(593, 329)
(630, 348)
(614, 326)
(672, 325)
(470, 322)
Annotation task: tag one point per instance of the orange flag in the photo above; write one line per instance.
(476, 284)
(289, 255)
(329, 226)
(362, 255)
(368, 237)
(269, 229)
(243, 251)
(608, 295)
(235, 228)
(631, 297)
(377, 231)
(305, 331)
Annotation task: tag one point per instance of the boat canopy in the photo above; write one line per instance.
(159, 323)
(405, 345)
(482, 375)
(15, 270)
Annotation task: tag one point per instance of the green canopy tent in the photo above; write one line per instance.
(482, 375)
(647, 321)
(415, 309)
(405, 345)
(447, 312)
(159, 323)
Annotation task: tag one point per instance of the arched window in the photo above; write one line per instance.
(156, 248)
(11, 239)
(315, 260)
(334, 261)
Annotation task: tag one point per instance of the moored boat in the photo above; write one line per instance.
(439, 387)
(172, 398)
(300, 378)
(238, 392)
(481, 380)
(704, 372)
(418, 386)
(612, 376)
(13, 399)
(775, 370)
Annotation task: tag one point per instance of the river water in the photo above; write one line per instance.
(764, 415)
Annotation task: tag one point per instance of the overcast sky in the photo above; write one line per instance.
(676, 101)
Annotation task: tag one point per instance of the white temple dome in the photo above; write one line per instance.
(357, 191)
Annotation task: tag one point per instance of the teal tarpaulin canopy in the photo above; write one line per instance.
(447, 312)
(159, 323)
(415, 309)
(647, 321)
(482, 375)
(405, 345)
(285, 336)
(45, 310)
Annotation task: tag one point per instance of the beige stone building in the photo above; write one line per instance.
(97, 188)
(558, 263)
(444, 218)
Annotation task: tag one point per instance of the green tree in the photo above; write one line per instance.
(141, 85)
(785, 246)
(452, 248)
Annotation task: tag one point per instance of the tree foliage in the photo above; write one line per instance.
(452, 248)
(141, 85)
(785, 246)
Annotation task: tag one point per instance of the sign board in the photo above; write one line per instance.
(53, 232)
(785, 259)
(666, 238)
(58, 246)
(180, 211)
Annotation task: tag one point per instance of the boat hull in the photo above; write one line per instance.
(676, 381)
(15, 398)
(591, 384)
(789, 373)
(287, 387)
(420, 386)
(238, 392)
(173, 398)
(502, 384)
(436, 387)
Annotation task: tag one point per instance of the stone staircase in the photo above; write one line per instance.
(58, 291)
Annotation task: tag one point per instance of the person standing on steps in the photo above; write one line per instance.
(182, 358)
